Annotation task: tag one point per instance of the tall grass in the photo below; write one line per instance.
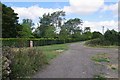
(25, 62)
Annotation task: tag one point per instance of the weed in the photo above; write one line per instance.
(101, 58)
(99, 77)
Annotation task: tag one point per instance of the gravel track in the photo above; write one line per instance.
(76, 63)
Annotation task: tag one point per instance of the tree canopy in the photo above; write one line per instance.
(26, 31)
(10, 24)
(50, 25)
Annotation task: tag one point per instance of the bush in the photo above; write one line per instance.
(24, 62)
(93, 42)
(98, 42)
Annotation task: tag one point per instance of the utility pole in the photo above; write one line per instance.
(103, 29)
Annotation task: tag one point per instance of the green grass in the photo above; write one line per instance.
(100, 57)
(27, 61)
(99, 46)
(51, 50)
(23, 61)
(99, 77)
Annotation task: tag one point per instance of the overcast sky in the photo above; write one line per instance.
(94, 13)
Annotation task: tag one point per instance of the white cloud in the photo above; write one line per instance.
(113, 8)
(97, 26)
(33, 12)
(83, 6)
(76, 6)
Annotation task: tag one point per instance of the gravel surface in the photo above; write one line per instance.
(76, 63)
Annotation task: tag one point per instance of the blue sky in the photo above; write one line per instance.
(105, 14)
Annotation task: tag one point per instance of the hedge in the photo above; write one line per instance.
(25, 42)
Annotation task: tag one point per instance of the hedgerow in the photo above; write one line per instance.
(25, 42)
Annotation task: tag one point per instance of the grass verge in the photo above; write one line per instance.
(52, 51)
(101, 57)
(99, 77)
(24, 62)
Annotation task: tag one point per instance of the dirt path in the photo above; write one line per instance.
(76, 63)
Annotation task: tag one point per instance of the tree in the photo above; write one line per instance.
(77, 34)
(63, 33)
(87, 29)
(36, 33)
(9, 22)
(72, 25)
(26, 31)
(44, 23)
(50, 32)
(47, 21)
(57, 18)
(119, 38)
(96, 34)
(29, 22)
(111, 36)
(87, 35)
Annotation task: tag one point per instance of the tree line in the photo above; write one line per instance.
(52, 25)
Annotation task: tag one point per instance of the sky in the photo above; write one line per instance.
(94, 13)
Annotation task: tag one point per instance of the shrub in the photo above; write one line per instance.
(99, 42)
(23, 62)
(94, 42)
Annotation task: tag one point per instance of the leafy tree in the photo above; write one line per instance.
(26, 31)
(87, 35)
(0, 20)
(29, 22)
(77, 34)
(47, 21)
(57, 18)
(72, 25)
(50, 32)
(9, 22)
(63, 33)
(119, 38)
(36, 33)
(87, 29)
(96, 34)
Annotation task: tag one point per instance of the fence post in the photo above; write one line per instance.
(31, 44)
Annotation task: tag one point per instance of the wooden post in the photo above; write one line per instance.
(31, 44)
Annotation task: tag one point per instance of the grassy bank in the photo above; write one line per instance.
(99, 43)
(100, 46)
(25, 62)
(52, 51)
